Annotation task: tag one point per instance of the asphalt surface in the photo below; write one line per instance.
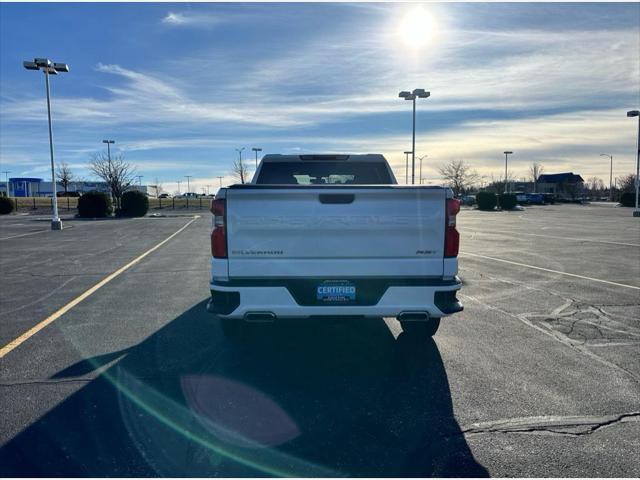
(539, 376)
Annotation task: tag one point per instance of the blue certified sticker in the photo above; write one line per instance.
(336, 291)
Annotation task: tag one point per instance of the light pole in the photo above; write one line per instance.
(49, 68)
(179, 181)
(506, 181)
(417, 93)
(406, 168)
(610, 175)
(6, 180)
(188, 177)
(109, 143)
(220, 178)
(256, 150)
(636, 113)
(139, 177)
(420, 158)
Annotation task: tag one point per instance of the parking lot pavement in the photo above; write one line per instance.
(539, 376)
(44, 270)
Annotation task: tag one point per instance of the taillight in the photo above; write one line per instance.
(219, 232)
(451, 235)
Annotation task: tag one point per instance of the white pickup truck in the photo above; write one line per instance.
(333, 236)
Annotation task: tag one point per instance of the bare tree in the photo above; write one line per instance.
(627, 183)
(240, 170)
(595, 184)
(64, 175)
(535, 170)
(458, 175)
(115, 171)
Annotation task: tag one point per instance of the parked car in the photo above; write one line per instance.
(188, 195)
(535, 198)
(164, 195)
(468, 200)
(548, 198)
(521, 198)
(67, 194)
(332, 236)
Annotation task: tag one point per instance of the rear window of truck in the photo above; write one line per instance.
(324, 173)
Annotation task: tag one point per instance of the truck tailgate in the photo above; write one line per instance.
(381, 231)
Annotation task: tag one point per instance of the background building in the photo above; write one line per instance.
(564, 185)
(36, 187)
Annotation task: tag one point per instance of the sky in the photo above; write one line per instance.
(180, 87)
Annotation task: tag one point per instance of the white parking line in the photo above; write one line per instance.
(53, 317)
(551, 271)
(26, 234)
(560, 238)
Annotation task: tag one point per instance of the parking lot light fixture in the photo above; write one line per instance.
(417, 93)
(506, 181)
(189, 177)
(256, 150)
(610, 174)
(636, 113)
(109, 143)
(49, 68)
(406, 167)
(420, 175)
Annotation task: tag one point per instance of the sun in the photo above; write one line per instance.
(417, 28)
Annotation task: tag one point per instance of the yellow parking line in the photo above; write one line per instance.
(53, 317)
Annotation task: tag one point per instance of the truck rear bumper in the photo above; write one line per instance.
(237, 299)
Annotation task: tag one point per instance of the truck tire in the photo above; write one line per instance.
(421, 329)
(235, 330)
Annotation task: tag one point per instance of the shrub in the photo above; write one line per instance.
(486, 200)
(507, 201)
(6, 205)
(134, 204)
(628, 199)
(94, 205)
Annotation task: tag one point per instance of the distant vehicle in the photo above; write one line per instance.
(188, 195)
(67, 194)
(521, 198)
(548, 198)
(535, 198)
(333, 236)
(164, 195)
(468, 200)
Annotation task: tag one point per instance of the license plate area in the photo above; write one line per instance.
(336, 292)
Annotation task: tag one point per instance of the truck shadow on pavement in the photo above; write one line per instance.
(308, 398)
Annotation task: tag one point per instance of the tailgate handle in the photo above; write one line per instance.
(336, 197)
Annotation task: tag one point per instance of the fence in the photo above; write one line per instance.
(70, 204)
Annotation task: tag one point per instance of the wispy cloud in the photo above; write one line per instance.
(181, 19)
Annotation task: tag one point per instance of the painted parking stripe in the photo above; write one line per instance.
(560, 238)
(53, 317)
(551, 271)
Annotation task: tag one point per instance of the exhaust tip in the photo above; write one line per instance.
(413, 317)
(260, 317)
